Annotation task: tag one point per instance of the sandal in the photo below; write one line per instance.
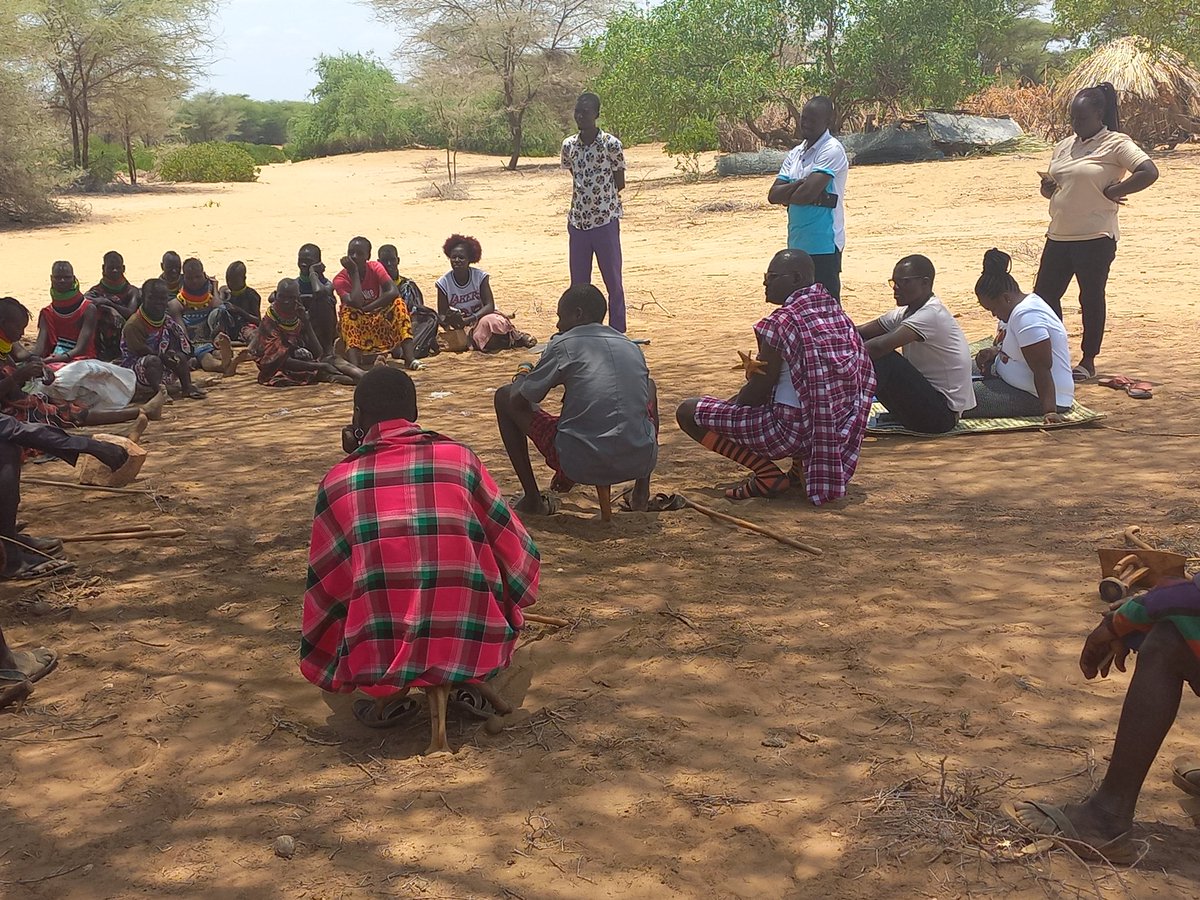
(658, 503)
(385, 713)
(1186, 775)
(44, 546)
(28, 571)
(550, 502)
(1050, 821)
(197, 394)
(754, 486)
(1116, 382)
(36, 664)
(1140, 390)
(471, 701)
(1081, 373)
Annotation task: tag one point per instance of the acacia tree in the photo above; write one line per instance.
(1175, 23)
(208, 117)
(674, 70)
(143, 111)
(93, 50)
(28, 174)
(524, 47)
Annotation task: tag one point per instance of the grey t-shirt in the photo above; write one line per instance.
(605, 435)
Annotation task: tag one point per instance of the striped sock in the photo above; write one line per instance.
(764, 470)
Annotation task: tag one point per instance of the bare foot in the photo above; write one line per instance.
(540, 504)
(225, 349)
(139, 427)
(238, 360)
(152, 408)
(639, 497)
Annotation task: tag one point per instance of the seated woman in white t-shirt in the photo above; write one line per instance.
(928, 387)
(1028, 371)
(465, 300)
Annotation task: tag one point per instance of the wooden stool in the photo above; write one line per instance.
(604, 495)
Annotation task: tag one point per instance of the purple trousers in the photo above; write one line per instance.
(605, 244)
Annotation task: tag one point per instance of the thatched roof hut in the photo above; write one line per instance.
(1159, 92)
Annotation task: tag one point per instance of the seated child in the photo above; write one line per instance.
(192, 307)
(282, 347)
(240, 309)
(156, 347)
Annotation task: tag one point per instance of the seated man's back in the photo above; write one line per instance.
(417, 567)
(606, 434)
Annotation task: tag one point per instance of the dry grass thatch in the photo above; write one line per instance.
(1159, 91)
(1032, 106)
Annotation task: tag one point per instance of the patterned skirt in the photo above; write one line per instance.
(375, 332)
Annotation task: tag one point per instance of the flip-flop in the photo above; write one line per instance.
(1079, 373)
(759, 487)
(552, 504)
(14, 688)
(1186, 775)
(394, 712)
(28, 571)
(1116, 382)
(658, 503)
(1050, 821)
(1140, 390)
(37, 663)
(48, 546)
(469, 700)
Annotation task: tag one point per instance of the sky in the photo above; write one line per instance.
(247, 32)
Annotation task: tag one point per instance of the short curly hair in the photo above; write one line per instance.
(474, 248)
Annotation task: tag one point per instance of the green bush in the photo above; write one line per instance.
(208, 163)
(262, 154)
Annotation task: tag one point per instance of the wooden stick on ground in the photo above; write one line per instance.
(128, 529)
(546, 620)
(86, 487)
(750, 526)
(125, 536)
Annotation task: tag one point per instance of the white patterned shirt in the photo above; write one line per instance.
(594, 198)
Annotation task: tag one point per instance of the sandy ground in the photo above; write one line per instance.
(727, 717)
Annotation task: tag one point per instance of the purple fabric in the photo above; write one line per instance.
(605, 244)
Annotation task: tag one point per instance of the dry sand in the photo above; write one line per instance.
(941, 628)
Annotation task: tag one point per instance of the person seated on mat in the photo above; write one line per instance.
(67, 328)
(929, 386)
(1027, 372)
(374, 319)
(240, 308)
(465, 300)
(284, 342)
(1163, 628)
(156, 347)
(114, 288)
(807, 397)
(191, 308)
(18, 368)
(608, 431)
(318, 299)
(418, 570)
(22, 555)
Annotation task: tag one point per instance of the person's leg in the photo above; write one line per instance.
(607, 242)
(345, 369)
(579, 255)
(909, 396)
(1092, 262)
(515, 420)
(182, 368)
(828, 270)
(639, 498)
(1054, 274)
(997, 399)
(1164, 663)
(768, 479)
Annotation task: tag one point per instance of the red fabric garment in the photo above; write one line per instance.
(418, 569)
(63, 321)
(372, 282)
(834, 381)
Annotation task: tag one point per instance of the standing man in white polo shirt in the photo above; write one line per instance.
(812, 185)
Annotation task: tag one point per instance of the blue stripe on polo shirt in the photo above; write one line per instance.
(810, 228)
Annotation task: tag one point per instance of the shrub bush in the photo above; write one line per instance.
(208, 163)
(262, 154)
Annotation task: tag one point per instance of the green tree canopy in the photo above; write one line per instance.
(1175, 23)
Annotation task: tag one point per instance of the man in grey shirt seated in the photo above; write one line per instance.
(607, 433)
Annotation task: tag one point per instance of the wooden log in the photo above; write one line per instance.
(751, 526)
(546, 620)
(86, 487)
(125, 536)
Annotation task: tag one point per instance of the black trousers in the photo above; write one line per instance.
(1088, 262)
(908, 396)
(13, 436)
(828, 267)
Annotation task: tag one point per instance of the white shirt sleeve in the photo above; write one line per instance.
(1029, 331)
(831, 158)
(892, 319)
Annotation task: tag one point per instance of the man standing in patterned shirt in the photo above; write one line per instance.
(597, 165)
(417, 570)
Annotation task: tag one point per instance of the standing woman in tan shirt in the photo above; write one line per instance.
(1085, 190)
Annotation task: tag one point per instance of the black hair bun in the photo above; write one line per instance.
(996, 262)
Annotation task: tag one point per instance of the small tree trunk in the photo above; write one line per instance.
(129, 159)
(516, 121)
(76, 156)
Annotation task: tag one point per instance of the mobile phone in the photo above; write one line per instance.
(827, 201)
